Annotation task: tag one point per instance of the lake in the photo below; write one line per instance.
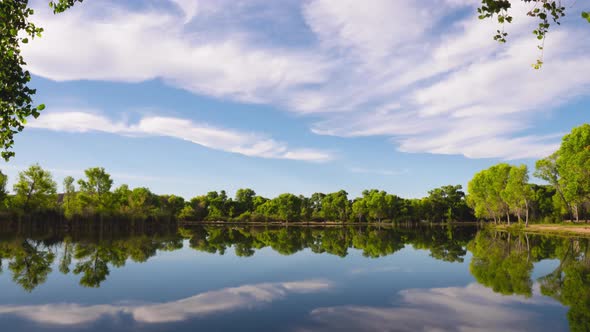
(292, 278)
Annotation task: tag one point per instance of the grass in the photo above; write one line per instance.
(552, 229)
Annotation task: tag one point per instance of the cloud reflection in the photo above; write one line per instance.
(227, 299)
(470, 308)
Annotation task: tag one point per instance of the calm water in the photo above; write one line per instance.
(292, 279)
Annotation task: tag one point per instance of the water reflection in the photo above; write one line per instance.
(208, 303)
(470, 308)
(504, 262)
(91, 258)
(506, 295)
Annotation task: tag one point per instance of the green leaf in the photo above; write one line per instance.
(25, 40)
(41, 107)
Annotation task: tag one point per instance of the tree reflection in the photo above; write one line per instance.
(372, 242)
(31, 264)
(92, 256)
(504, 263)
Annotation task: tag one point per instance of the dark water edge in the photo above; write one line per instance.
(154, 276)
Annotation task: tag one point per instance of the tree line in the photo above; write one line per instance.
(503, 191)
(36, 194)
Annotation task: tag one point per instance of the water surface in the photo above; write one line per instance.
(292, 279)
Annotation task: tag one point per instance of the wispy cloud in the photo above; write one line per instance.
(249, 144)
(428, 83)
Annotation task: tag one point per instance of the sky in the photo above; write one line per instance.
(189, 96)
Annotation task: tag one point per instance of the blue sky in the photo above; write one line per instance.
(188, 96)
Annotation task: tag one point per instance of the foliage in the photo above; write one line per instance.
(3, 191)
(568, 172)
(547, 11)
(35, 190)
(16, 97)
(95, 195)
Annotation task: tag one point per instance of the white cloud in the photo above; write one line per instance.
(249, 144)
(133, 46)
(224, 300)
(190, 8)
(419, 73)
(471, 308)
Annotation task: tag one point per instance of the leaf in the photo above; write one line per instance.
(41, 107)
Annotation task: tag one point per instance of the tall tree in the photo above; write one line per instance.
(95, 190)
(518, 193)
(573, 164)
(245, 200)
(35, 190)
(69, 192)
(547, 170)
(288, 207)
(360, 209)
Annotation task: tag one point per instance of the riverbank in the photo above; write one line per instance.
(549, 229)
(318, 223)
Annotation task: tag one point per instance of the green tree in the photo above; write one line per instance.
(288, 207)
(446, 203)
(217, 204)
(95, 191)
(69, 193)
(547, 170)
(484, 193)
(376, 203)
(360, 209)
(141, 204)
(35, 190)
(316, 200)
(518, 193)
(3, 191)
(171, 205)
(245, 200)
(336, 206)
(573, 166)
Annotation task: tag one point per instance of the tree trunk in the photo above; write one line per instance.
(26, 205)
(526, 216)
(508, 217)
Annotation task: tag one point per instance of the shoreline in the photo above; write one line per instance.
(319, 223)
(548, 229)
